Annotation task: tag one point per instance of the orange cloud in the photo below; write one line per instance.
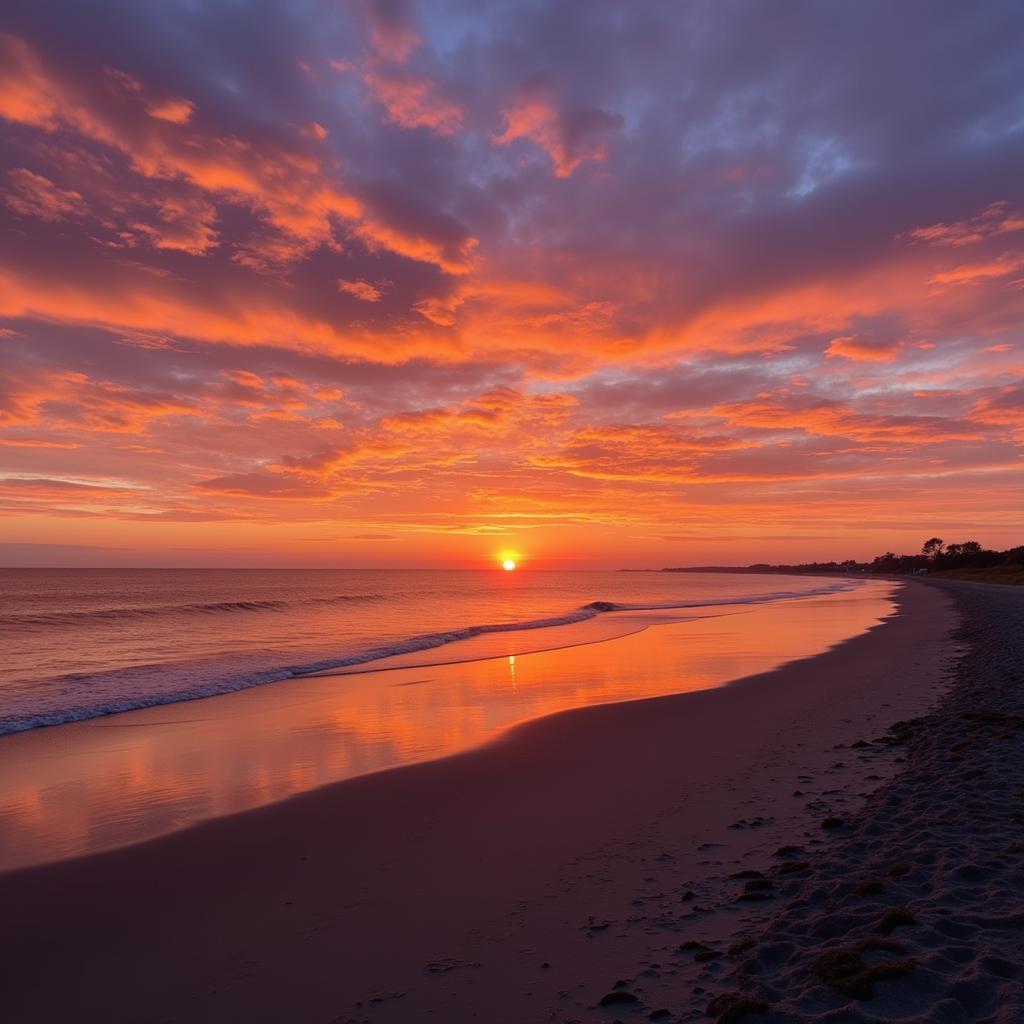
(659, 452)
(57, 490)
(313, 130)
(503, 294)
(973, 273)
(175, 111)
(850, 347)
(185, 223)
(569, 138)
(23, 441)
(158, 305)
(70, 400)
(296, 195)
(33, 195)
(362, 290)
(454, 256)
(831, 419)
(26, 94)
(1003, 407)
(996, 219)
(414, 102)
(392, 29)
(264, 485)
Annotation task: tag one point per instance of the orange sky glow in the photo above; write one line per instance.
(581, 286)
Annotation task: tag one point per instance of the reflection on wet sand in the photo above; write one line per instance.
(93, 785)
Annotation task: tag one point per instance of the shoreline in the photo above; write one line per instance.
(109, 782)
(452, 881)
(585, 623)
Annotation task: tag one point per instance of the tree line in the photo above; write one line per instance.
(937, 556)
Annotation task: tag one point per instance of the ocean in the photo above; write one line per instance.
(80, 643)
(317, 677)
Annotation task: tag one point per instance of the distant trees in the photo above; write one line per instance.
(890, 562)
(971, 555)
(936, 555)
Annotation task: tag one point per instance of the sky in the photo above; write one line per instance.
(600, 284)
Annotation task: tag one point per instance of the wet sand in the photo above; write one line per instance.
(514, 882)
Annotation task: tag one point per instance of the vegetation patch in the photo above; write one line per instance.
(732, 1007)
(846, 971)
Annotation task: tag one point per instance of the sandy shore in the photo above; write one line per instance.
(85, 787)
(517, 882)
(933, 867)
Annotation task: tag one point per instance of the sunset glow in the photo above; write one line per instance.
(382, 284)
(478, 476)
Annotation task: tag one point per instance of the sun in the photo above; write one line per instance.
(507, 558)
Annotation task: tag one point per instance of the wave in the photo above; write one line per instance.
(778, 595)
(204, 686)
(75, 617)
(428, 641)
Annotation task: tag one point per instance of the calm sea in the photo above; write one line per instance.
(80, 643)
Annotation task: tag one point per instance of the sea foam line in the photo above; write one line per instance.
(10, 723)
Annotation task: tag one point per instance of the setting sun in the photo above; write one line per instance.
(508, 565)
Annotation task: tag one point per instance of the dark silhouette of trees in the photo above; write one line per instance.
(935, 556)
(969, 555)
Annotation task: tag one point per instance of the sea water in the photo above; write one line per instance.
(140, 702)
(79, 643)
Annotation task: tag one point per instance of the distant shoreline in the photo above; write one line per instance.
(740, 570)
(1008, 575)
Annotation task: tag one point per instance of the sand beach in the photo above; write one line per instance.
(608, 855)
